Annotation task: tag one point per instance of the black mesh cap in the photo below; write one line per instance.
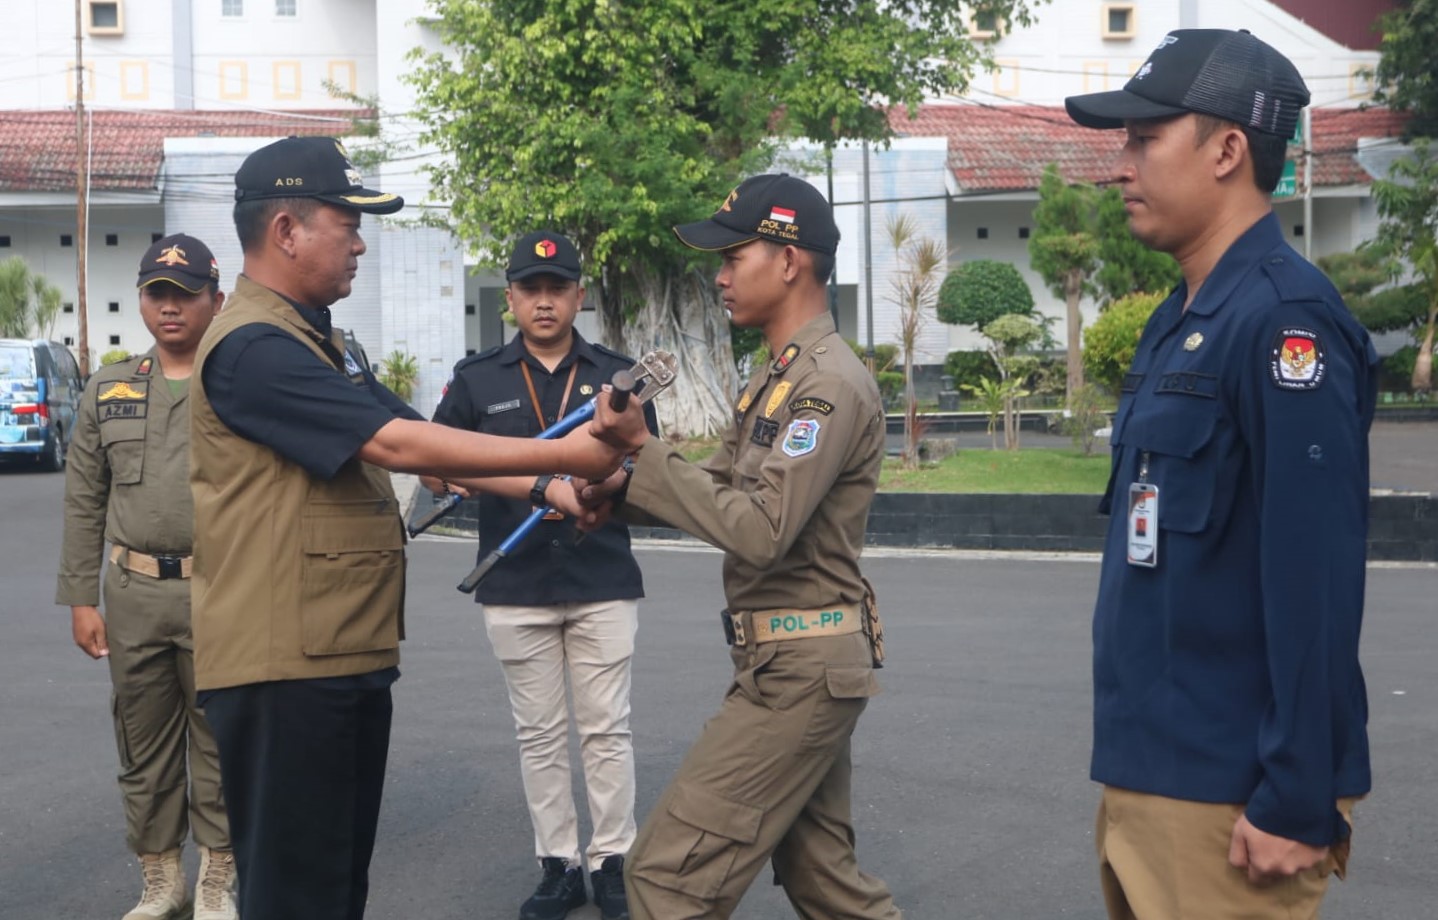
(1218, 72)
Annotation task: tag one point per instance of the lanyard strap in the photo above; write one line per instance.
(534, 397)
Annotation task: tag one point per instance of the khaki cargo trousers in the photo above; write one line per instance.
(767, 779)
(158, 729)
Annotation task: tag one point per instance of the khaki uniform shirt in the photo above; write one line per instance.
(128, 476)
(787, 494)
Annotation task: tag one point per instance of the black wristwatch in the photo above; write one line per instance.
(536, 494)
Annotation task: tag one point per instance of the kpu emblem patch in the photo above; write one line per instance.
(1296, 360)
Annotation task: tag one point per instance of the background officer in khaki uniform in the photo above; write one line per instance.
(786, 497)
(127, 484)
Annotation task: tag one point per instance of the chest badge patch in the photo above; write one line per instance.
(765, 431)
(586, 389)
(1296, 360)
(121, 390)
(1192, 342)
(776, 399)
(351, 365)
(802, 437)
(496, 408)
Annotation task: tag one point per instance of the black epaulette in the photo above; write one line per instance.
(480, 356)
(617, 355)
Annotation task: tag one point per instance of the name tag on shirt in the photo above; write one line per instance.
(1143, 524)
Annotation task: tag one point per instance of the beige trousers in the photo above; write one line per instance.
(169, 764)
(588, 647)
(1167, 859)
(768, 779)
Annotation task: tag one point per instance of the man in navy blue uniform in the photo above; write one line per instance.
(557, 612)
(1229, 706)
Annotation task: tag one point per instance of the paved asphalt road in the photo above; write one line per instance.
(971, 796)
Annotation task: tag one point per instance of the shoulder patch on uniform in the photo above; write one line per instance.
(143, 368)
(812, 404)
(765, 431)
(786, 358)
(1297, 359)
(802, 437)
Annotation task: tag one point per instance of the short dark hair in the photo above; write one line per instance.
(1268, 151)
(822, 262)
(253, 216)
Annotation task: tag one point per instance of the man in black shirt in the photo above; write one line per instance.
(556, 611)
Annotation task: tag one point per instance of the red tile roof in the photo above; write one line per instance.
(37, 148)
(1005, 148)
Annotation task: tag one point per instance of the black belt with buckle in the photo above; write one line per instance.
(169, 566)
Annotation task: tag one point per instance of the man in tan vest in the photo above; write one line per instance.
(299, 547)
(129, 463)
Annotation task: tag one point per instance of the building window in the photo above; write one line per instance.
(234, 80)
(114, 306)
(985, 25)
(67, 240)
(285, 78)
(112, 239)
(1095, 76)
(1360, 81)
(983, 233)
(285, 7)
(67, 308)
(1297, 229)
(156, 237)
(1006, 77)
(4, 242)
(134, 80)
(1119, 21)
(232, 7)
(469, 309)
(69, 340)
(114, 340)
(88, 76)
(106, 18)
(1023, 233)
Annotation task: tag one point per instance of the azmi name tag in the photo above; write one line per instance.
(1143, 524)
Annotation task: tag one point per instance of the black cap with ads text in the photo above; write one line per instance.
(543, 252)
(181, 260)
(1226, 74)
(309, 167)
(777, 207)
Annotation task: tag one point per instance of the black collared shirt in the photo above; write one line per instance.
(488, 394)
(268, 387)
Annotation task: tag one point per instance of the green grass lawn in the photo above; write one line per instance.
(1026, 470)
(982, 470)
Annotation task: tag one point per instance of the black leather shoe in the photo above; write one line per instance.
(560, 891)
(608, 883)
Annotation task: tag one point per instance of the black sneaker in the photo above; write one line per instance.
(560, 891)
(608, 882)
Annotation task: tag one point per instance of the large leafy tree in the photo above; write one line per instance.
(612, 121)
(1407, 74)
(980, 291)
(1064, 250)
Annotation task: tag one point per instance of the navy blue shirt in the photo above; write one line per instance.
(267, 387)
(488, 394)
(1229, 672)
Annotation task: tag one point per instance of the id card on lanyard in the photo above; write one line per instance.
(1143, 519)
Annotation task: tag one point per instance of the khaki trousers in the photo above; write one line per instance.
(589, 646)
(1167, 859)
(767, 779)
(158, 728)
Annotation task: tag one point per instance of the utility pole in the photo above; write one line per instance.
(834, 275)
(82, 183)
(868, 271)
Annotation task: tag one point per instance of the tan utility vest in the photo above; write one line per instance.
(294, 577)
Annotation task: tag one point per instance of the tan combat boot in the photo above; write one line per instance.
(215, 886)
(165, 896)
